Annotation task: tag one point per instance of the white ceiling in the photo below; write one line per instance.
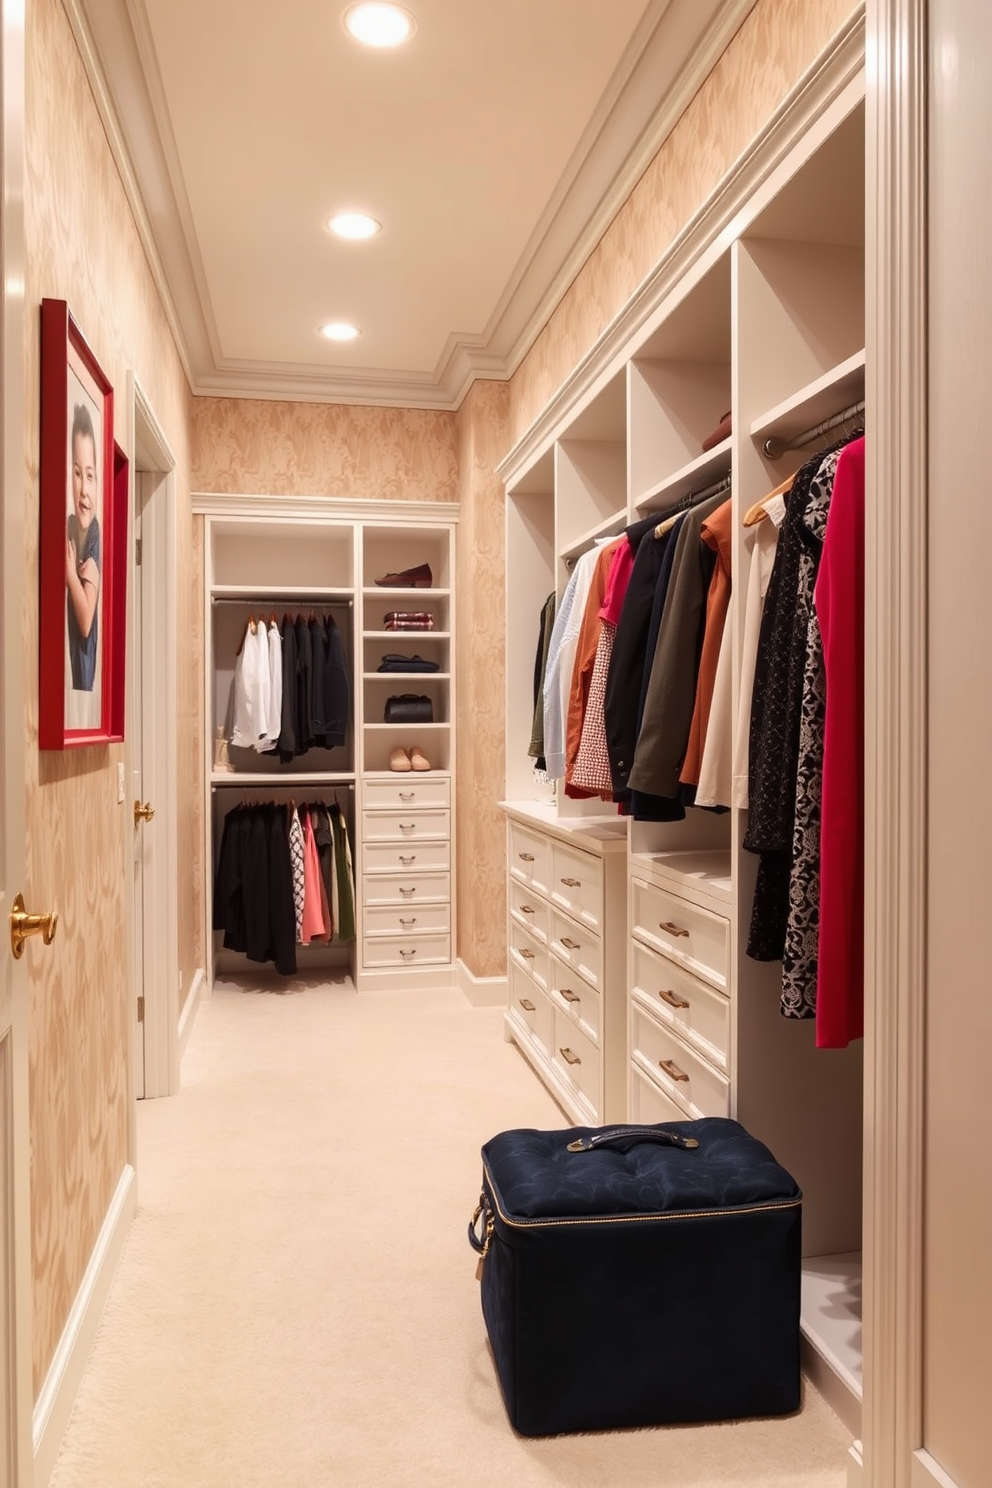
(494, 148)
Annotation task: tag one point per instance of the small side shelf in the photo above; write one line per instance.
(698, 474)
(831, 1325)
(842, 386)
(608, 527)
(392, 635)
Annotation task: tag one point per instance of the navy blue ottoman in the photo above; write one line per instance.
(639, 1276)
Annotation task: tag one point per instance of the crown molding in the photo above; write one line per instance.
(672, 51)
(339, 508)
(823, 83)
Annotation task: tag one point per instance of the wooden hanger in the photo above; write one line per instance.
(757, 512)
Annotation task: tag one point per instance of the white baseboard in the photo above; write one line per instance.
(928, 1473)
(483, 991)
(190, 1009)
(407, 979)
(58, 1393)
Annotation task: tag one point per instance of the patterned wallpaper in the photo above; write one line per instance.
(483, 440)
(776, 44)
(82, 246)
(260, 448)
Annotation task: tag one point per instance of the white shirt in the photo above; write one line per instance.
(561, 661)
(273, 711)
(762, 540)
(251, 692)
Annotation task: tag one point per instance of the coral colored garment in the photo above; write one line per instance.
(716, 533)
(314, 925)
(616, 585)
(585, 657)
(840, 607)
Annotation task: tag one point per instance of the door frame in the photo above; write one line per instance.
(152, 455)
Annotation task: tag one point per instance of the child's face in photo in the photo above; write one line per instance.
(83, 480)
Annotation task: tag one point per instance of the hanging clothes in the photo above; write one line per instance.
(717, 533)
(671, 691)
(297, 855)
(253, 890)
(287, 721)
(344, 876)
(314, 927)
(273, 721)
(561, 656)
(251, 688)
(585, 658)
(763, 542)
(840, 606)
(535, 749)
(592, 773)
(773, 744)
(336, 691)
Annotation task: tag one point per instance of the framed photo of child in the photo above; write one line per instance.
(83, 540)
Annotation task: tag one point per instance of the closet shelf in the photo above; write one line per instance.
(407, 635)
(396, 677)
(405, 727)
(836, 389)
(281, 594)
(281, 778)
(380, 593)
(695, 476)
(608, 527)
(708, 872)
(831, 1314)
(402, 775)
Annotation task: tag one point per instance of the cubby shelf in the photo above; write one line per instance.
(257, 593)
(698, 474)
(837, 389)
(404, 727)
(281, 778)
(396, 677)
(380, 593)
(407, 635)
(608, 527)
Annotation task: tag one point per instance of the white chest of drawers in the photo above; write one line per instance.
(406, 878)
(566, 939)
(679, 1026)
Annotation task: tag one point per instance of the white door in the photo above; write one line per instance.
(16, 1392)
(136, 801)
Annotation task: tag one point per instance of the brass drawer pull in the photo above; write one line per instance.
(527, 955)
(408, 953)
(569, 995)
(572, 883)
(569, 1057)
(673, 929)
(407, 861)
(527, 1005)
(408, 795)
(526, 857)
(411, 921)
(672, 1069)
(570, 945)
(408, 893)
(527, 909)
(408, 826)
(673, 999)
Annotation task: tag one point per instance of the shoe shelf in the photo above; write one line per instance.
(406, 635)
(420, 593)
(395, 677)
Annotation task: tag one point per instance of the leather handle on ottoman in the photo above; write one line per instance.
(625, 1137)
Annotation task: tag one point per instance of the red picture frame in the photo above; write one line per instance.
(83, 544)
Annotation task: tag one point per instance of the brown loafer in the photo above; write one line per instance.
(410, 578)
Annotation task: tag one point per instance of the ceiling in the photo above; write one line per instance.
(494, 148)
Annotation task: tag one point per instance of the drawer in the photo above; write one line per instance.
(531, 911)
(407, 888)
(573, 996)
(576, 1058)
(680, 1072)
(694, 936)
(406, 858)
(530, 858)
(649, 1103)
(415, 788)
(530, 1005)
(699, 1013)
(408, 950)
(577, 884)
(578, 947)
(530, 955)
(408, 919)
(406, 826)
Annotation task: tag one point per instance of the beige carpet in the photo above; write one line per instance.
(297, 1306)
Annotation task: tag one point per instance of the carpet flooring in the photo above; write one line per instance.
(296, 1305)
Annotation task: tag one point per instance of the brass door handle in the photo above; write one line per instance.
(143, 813)
(527, 1005)
(526, 909)
(672, 929)
(572, 883)
(570, 945)
(569, 1057)
(526, 857)
(673, 999)
(671, 1069)
(569, 995)
(23, 925)
(527, 955)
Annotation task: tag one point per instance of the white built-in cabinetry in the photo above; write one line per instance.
(265, 558)
(762, 313)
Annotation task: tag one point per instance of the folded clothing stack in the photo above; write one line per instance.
(408, 620)
(392, 662)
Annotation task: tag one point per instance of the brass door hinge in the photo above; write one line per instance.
(137, 551)
(141, 1010)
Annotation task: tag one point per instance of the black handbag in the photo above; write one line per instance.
(392, 662)
(408, 707)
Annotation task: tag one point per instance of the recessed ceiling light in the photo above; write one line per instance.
(354, 225)
(380, 25)
(339, 330)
